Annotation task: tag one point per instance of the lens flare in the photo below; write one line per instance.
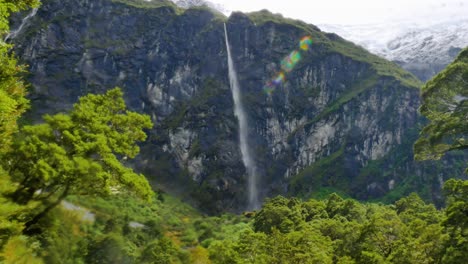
(279, 78)
(305, 43)
(290, 61)
(268, 88)
(288, 64)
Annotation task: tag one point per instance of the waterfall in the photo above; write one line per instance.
(15, 32)
(243, 132)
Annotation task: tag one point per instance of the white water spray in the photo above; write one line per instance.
(25, 20)
(243, 132)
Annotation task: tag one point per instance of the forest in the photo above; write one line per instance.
(68, 194)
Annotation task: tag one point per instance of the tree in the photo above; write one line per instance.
(12, 88)
(109, 249)
(20, 250)
(445, 104)
(422, 238)
(199, 255)
(381, 234)
(79, 154)
(413, 207)
(160, 251)
(16, 249)
(10, 6)
(12, 100)
(223, 252)
(456, 221)
(278, 213)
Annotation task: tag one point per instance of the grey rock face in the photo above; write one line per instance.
(333, 118)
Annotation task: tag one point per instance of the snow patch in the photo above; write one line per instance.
(420, 43)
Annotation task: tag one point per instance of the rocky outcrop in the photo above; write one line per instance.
(335, 123)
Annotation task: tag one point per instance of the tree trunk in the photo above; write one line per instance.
(29, 226)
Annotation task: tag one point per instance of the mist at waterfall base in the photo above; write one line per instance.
(247, 159)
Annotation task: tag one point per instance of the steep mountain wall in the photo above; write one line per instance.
(343, 121)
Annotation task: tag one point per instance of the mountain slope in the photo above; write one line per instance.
(338, 121)
(421, 49)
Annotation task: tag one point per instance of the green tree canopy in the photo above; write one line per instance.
(445, 104)
(10, 6)
(456, 222)
(16, 249)
(79, 153)
(278, 213)
(12, 88)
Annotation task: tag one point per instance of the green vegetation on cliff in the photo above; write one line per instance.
(66, 195)
(162, 56)
(381, 66)
(147, 4)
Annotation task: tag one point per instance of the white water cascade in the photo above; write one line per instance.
(243, 132)
(25, 20)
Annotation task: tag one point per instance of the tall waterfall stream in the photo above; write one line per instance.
(239, 111)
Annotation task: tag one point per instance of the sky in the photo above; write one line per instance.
(355, 12)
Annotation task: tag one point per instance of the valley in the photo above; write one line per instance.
(135, 131)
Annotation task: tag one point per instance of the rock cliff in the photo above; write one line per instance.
(344, 120)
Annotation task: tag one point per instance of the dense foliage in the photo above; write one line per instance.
(77, 153)
(445, 104)
(345, 231)
(13, 103)
(12, 88)
(67, 197)
(285, 230)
